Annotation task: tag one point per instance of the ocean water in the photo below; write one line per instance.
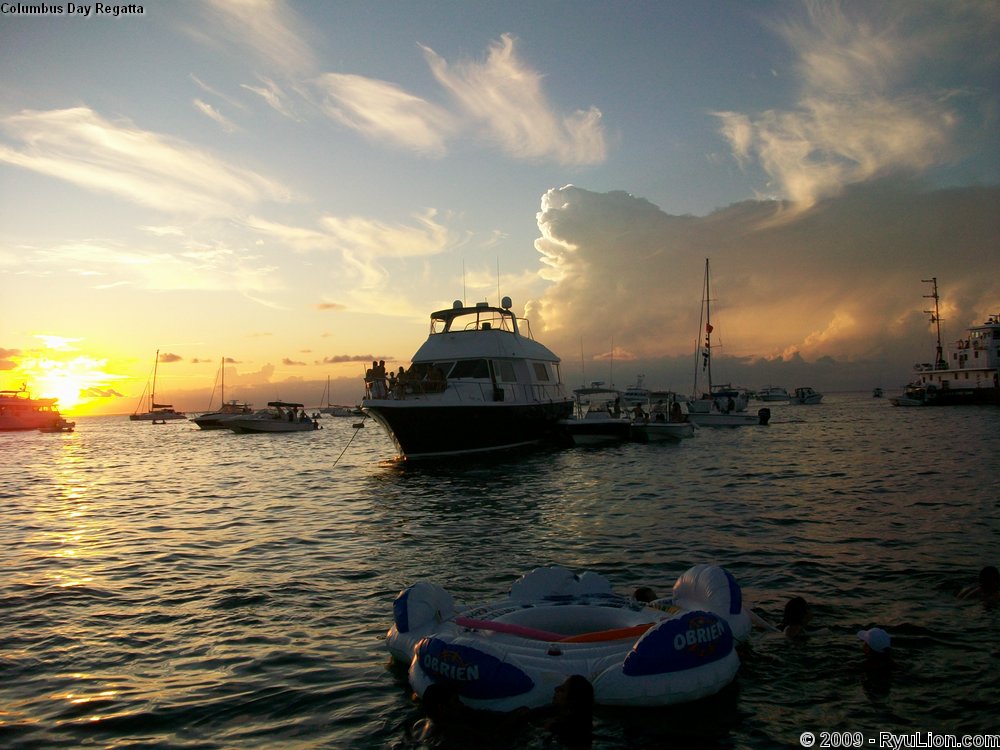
(165, 587)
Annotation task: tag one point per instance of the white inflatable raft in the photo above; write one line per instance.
(512, 653)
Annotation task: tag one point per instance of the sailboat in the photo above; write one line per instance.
(215, 420)
(336, 410)
(721, 405)
(157, 413)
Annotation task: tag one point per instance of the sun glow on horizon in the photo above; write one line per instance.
(76, 383)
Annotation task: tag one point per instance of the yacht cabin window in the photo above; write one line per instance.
(505, 369)
(471, 368)
(541, 372)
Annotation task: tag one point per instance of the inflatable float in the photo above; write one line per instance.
(512, 653)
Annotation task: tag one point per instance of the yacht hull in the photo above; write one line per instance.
(422, 430)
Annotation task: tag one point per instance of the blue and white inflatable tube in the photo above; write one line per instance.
(514, 652)
(714, 589)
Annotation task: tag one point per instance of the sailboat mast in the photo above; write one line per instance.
(708, 326)
(152, 395)
(939, 363)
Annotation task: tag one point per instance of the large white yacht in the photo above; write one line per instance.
(479, 383)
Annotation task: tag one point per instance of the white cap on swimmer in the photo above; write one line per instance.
(877, 639)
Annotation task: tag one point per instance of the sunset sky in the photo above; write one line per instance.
(296, 186)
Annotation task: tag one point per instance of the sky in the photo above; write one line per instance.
(293, 187)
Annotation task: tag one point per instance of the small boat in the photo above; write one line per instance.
(213, 420)
(719, 405)
(156, 413)
(772, 393)
(665, 422)
(480, 383)
(805, 395)
(512, 653)
(280, 416)
(597, 418)
(59, 426)
(19, 411)
(968, 373)
(877, 393)
(915, 394)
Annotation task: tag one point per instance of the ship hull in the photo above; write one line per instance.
(432, 431)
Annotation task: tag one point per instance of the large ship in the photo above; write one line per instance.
(479, 383)
(19, 411)
(967, 372)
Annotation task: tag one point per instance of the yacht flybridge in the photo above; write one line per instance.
(479, 383)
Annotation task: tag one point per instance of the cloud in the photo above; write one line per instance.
(329, 306)
(867, 105)
(275, 97)
(7, 358)
(364, 242)
(839, 280)
(167, 357)
(338, 359)
(95, 392)
(182, 263)
(213, 114)
(500, 99)
(383, 111)
(270, 30)
(79, 146)
(292, 363)
(505, 98)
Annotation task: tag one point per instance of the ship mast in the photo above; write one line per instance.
(939, 363)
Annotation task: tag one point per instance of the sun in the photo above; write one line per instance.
(74, 382)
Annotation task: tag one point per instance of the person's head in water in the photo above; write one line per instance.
(441, 703)
(797, 614)
(574, 696)
(644, 594)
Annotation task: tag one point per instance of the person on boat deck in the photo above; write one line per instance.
(638, 413)
(796, 616)
(573, 712)
(988, 589)
(675, 412)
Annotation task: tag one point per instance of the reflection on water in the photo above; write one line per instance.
(201, 589)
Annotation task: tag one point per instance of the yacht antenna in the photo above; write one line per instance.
(498, 278)
(939, 363)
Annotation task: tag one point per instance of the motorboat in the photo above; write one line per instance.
(216, 420)
(155, 413)
(718, 405)
(511, 653)
(480, 383)
(664, 422)
(597, 418)
(967, 373)
(19, 411)
(772, 393)
(805, 395)
(60, 425)
(213, 420)
(280, 416)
